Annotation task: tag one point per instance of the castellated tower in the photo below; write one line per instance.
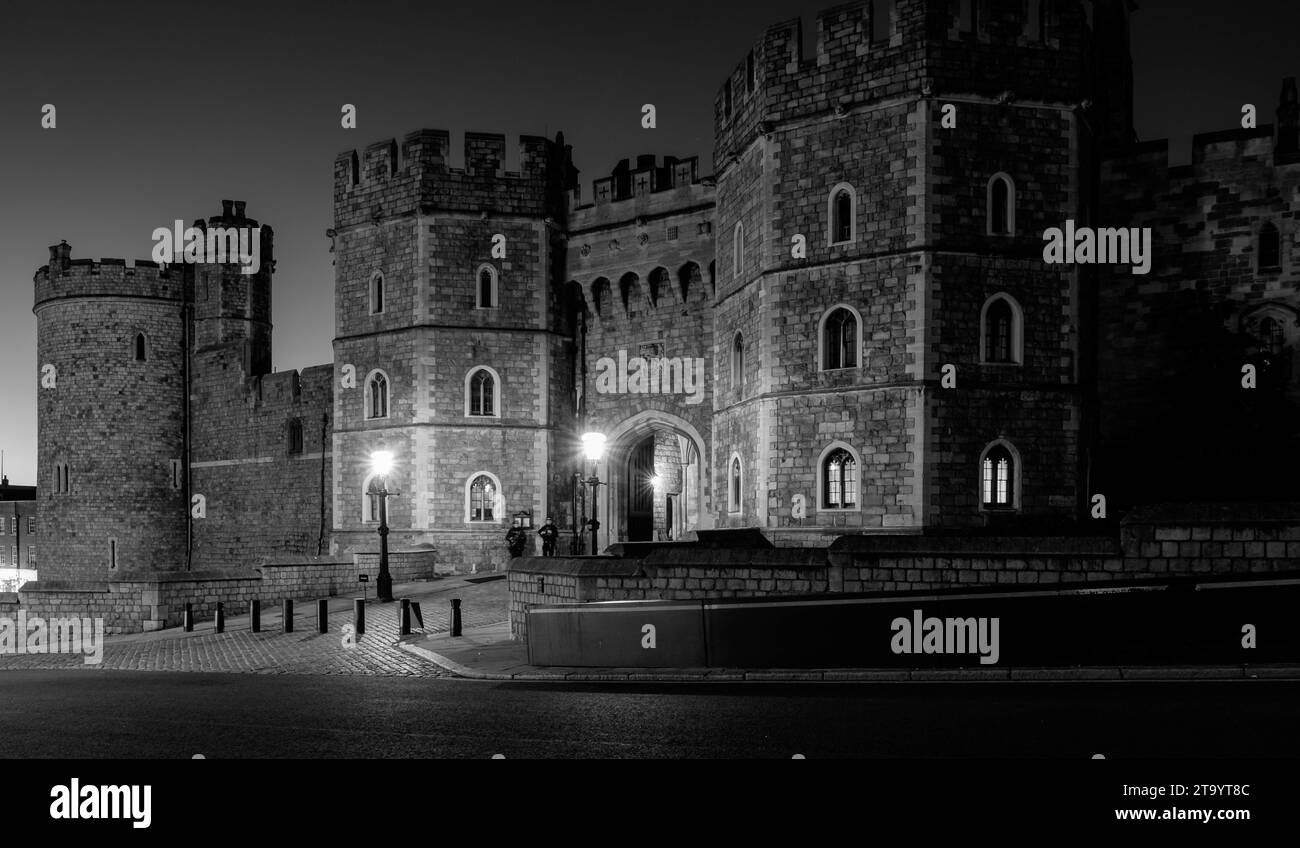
(110, 417)
(452, 345)
(923, 257)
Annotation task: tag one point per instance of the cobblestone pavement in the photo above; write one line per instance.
(304, 651)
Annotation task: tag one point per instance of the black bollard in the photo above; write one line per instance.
(322, 616)
(288, 616)
(189, 619)
(455, 616)
(221, 617)
(406, 617)
(255, 613)
(359, 615)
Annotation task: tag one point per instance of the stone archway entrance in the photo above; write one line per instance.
(642, 484)
(657, 480)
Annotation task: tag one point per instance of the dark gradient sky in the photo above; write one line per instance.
(165, 108)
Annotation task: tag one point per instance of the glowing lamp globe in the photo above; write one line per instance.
(593, 445)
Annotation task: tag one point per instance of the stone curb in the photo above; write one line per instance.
(842, 675)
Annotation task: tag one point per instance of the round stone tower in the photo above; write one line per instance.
(111, 412)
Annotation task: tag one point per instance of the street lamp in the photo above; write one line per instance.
(575, 547)
(381, 462)
(593, 445)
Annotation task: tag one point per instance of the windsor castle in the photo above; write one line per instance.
(881, 347)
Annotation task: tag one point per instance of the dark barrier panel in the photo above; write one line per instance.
(1133, 626)
(1211, 623)
(637, 634)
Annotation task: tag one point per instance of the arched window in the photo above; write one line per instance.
(967, 15)
(295, 436)
(377, 395)
(482, 496)
(376, 293)
(62, 479)
(882, 20)
(1001, 331)
(1271, 336)
(738, 249)
(486, 296)
(998, 478)
(738, 362)
(141, 348)
(600, 295)
(1036, 20)
(481, 393)
(839, 339)
(1001, 205)
(372, 504)
(839, 480)
(733, 484)
(842, 214)
(1270, 248)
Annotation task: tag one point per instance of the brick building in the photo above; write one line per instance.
(17, 535)
(850, 328)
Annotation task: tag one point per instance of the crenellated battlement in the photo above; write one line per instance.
(1216, 157)
(387, 178)
(640, 181)
(870, 51)
(66, 277)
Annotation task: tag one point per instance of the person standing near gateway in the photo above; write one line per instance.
(549, 533)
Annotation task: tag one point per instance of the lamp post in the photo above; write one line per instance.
(593, 445)
(575, 548)
(381, 462)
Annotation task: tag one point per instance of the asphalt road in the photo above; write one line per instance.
(121, 714)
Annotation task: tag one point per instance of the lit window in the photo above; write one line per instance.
(840, 476)
(482, 499)
(997, 478)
